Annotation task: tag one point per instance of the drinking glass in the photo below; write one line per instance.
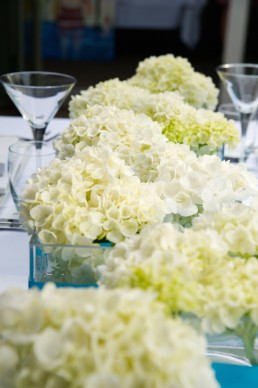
(37, 95)
(24, 159)
(230, 113)
(241, 82)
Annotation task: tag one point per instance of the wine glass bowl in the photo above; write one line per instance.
(25, 158)
(241, 83)
(37, 95)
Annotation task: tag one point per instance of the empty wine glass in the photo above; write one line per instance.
(241, 82)
(37, 95)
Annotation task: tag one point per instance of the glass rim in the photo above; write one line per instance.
(47, 147)
(229, 110)
(72, 80)
(228, 105)
(226, 67)
(96, 244)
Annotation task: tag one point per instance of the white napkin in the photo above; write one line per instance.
(5, 142)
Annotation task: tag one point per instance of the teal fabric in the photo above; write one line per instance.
(236, 376)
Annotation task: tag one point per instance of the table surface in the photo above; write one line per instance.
(14, 255)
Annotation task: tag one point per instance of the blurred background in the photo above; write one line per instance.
(95, 40)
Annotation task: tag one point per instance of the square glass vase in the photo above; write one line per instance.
(65, 265)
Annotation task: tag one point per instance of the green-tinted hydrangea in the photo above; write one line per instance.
(203, 130)
(170, 73)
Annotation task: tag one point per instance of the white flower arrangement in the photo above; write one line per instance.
(166, 261)
(170, 73)
(203, 130)
(189, 183)
(192, 273)
(185, 182)
(96, 339)
(117, 93)
(91, 196)
(110, 92)
(116, 174)
(134, 137)
(236, 224)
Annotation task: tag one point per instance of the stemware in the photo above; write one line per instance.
(241, 82)
(37, 95)
(25, 158)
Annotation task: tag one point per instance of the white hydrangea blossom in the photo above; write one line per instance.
(205, 131)
(170, 73)
(186, 183)
(111, 92)
(189, 183)
(237, 224)
(165, 260)
(96, 339)
(88, 197)
(191, 273)
(194, 275)
(228, 300)
(134, 137)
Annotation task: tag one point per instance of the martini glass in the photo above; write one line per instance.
(241, 82)
(37, 95)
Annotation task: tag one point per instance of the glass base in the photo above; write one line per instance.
(228, 349)
(32, 283)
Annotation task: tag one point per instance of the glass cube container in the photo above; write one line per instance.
(65, 265)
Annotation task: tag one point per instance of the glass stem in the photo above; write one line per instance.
(244, 151)
(38, 133)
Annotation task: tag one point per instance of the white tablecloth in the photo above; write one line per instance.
(17, 126)
(14, 246)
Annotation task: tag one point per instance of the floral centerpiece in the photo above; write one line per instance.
(185, 182)
(170, 73)
(209, 271)
(91, 196)
(92, 339)
(117, 172)
(130, 173)
(87, 199)
(136, 138)
(203, 130)
(236, 224)
(110, 181)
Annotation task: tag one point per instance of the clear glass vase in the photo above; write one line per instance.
(238, 346)
(65, 265)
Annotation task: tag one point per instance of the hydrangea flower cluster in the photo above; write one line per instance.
(237, 224)
(185, 182)
(166, 261)
(91, 196)
(170, 73)
(91, 339)
(203, 130)
(189, 183)
(191, 273)
(112, 179)
(110, 92)
(134, 137)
